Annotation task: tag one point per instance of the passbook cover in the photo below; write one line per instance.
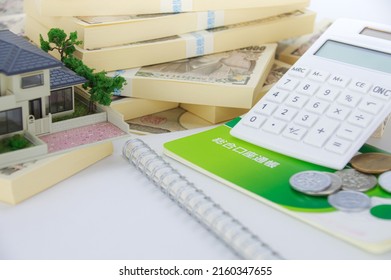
(264, 175)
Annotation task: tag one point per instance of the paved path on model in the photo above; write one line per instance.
(88, 134)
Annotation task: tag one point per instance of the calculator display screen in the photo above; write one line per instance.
(355, 55)
(376, 33)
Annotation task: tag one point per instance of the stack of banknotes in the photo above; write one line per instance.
(206, 61)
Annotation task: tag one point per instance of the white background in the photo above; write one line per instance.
(372, 10)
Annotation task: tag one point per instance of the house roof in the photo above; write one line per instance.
(63, 77)
(18, 56)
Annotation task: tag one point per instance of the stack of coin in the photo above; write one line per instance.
(352, 182)
(345, 188)
(372, 163)
(385, 181)
(375, 163)
(349, 201)
(315, 182)
(352, 198)
(356, 181)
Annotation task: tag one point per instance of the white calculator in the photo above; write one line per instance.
(330, 101)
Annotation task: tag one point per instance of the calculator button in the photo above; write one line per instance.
(348, 98)
(319, 76)
(307, 87)
(288, 83)
(276, 95)
(294, 132)
(328, 93)
(274, 126)
(360, 86)
(317, 106)
(337, 145)
(321, 132)
(360, 118)
(371, 105)
(339, 80)
(297, 100)
(349, 132)
(265, 108)
(305, 119)
(299, 71)
(381, 92)
(338, 112)
(254, 120)
(285, 113)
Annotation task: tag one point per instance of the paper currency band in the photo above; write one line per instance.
(175, 6)
(210, 19)
(198, 43)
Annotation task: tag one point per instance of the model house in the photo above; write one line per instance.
(33, 86)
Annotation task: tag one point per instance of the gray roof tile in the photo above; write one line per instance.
(63, 77)
(18, 56)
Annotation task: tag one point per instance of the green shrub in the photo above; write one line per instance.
(18, 142)
(13, 143)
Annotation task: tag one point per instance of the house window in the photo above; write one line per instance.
(61, 100)
(32, 81)
(11, 121)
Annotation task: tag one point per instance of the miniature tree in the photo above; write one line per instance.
(99, 85)
(57, 40)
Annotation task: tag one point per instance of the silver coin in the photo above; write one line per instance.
(385, 181)
(310, 181)
(356, 181)
(336, 184)
(349, 201)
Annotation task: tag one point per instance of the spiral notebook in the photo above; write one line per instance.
(227, 229)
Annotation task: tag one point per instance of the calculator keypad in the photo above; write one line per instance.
(317, 108)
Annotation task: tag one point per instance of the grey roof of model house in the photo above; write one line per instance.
(18, 56)
(63, 77)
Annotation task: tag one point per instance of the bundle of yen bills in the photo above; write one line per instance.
(207, 61)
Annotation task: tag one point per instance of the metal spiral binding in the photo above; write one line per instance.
(237, 237)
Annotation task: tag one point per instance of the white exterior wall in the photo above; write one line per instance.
(7, 99)
(33, 92)
(3, 87)
(14, 96)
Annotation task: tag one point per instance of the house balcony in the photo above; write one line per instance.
(7, 101)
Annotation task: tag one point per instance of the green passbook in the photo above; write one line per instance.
(264, 175)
